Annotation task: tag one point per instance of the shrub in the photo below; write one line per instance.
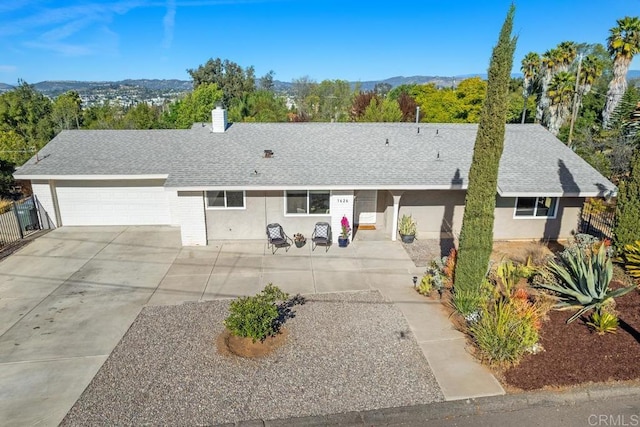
(256, 316)
(468, 302)
(433, 278)
(626, 227)
(426, 286)
(630, 258)
(5, 205)
(505, 331)
(603, 321)
(584, 279)
(449, 265)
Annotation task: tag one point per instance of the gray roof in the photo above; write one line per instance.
(318, 155)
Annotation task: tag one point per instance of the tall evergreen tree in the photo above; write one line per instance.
(627, 226)
(476, 236)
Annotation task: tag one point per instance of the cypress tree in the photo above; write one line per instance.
(476, 235)
(627, 223)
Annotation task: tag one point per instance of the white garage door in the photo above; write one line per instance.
(113, 203)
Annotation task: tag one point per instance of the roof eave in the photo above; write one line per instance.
(46, 177)
(282, 187)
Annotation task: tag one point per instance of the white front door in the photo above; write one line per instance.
(366, 202)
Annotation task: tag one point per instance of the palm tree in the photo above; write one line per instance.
(567, 52)
(547, 69)
(555, 60)
(560, 93)
(530, 68)
(623, 43)
(590, 70)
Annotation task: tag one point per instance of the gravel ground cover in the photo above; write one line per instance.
(423, 251)
(344, 352)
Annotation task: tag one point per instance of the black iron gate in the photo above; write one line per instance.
(18, 220)
(596, 218)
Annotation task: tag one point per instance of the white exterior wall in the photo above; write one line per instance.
(190, 215)
(341, 205)
(46, 208)
(172, 197)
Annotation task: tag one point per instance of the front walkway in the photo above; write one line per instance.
(227, 269)
(69, 296)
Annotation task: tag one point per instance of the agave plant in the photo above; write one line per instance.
(584, 281)
(631, 259)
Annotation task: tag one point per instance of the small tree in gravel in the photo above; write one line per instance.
(476, 235)
(256, 317)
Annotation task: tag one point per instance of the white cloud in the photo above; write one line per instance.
(8, 68)
(169, 23)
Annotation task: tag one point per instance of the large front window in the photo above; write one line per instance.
(225, 199)
(310, 202)
(536, 207)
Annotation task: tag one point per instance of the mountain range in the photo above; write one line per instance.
(55, 88)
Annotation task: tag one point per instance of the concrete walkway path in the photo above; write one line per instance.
(68, 297)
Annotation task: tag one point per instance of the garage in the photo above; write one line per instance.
(113, 202)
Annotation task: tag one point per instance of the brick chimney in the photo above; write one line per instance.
(219, 120)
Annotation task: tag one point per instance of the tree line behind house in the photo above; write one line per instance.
(603, 109)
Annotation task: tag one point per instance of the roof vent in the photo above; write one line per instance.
(268, 154)
(386, 143)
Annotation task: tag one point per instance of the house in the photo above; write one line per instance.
(227, 181)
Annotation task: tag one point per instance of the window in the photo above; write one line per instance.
(536, 207)
(312, 202)
(225, 199)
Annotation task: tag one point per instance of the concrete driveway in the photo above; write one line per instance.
(68, 297)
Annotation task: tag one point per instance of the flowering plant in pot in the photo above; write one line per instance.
(299, 240)
(343, 239)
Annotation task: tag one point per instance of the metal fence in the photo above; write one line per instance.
(18, 220)
(597, 220)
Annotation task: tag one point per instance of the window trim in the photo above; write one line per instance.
(308, 201)
(225, 207)
(535, 208)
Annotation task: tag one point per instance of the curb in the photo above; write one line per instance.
(419, 414)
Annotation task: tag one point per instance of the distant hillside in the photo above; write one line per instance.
(157, 87)
(55, 88)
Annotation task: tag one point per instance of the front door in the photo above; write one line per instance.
(365, 206)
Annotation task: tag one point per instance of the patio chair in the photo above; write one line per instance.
(321, 236)
(277, 238)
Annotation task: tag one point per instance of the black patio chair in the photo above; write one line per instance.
(277, 238)
(321, 235)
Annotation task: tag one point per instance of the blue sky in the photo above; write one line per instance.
(323, 39)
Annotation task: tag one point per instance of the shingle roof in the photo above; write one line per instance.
(329, 155)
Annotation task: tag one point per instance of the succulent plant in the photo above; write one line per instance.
(584, 279)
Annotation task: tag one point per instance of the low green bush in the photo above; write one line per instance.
(257, 316)
(603, 321)
(468, 302)
(505, 331)
(630, 259)
(426, 285)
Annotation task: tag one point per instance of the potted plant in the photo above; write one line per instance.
(343, 239)
(407, 229)
(299, 240)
